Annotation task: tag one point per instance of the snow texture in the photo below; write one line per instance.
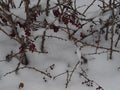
(62, 54)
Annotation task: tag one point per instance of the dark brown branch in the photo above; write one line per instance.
(91, 82)
(60, 74)
(89, 34)
(96, 53)
(16, 70)
(89, 7)
(70, 76)
(47, 7)
(38, 2)
(112, 27)
(27, 2)
(70, 73)
(117, 41)
(92, 45)
(9, 35)
(11, 2)
(43, 42)
(20, 3)
(32, 68)
(51, 36)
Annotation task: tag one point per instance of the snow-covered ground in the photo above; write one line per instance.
(62, 54)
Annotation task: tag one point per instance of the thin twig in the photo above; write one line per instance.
(60, 74)
(70, 76)
(92, 45)
(33, 68)
(9, 35)
(38, 2)
(89, 7)
(96, 53)
(51, 36)
(85, 77)
(43, 42)
(47, 7)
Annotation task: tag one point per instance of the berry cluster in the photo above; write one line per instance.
(68, 15)
(88, 83)
(54, 27)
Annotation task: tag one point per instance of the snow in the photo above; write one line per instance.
(61, 53)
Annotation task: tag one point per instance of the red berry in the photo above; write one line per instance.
(65, 20)
(72, 22)
(51, 26)
(32, 47)
(56, 12)
(55, 28)
(21, 49)
(27, 31)
(78, 25)
(82, 35)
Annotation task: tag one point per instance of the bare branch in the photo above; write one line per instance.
(32, 68)
(89, 6)
(70, 76)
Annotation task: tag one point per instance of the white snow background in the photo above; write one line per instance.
(61, 53)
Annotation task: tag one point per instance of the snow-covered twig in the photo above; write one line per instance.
(89, 6)
(96, 53)
(51, 36)
(92, 45)
(70, 75)
(43, 42)
(90, 83)
(32, 68)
